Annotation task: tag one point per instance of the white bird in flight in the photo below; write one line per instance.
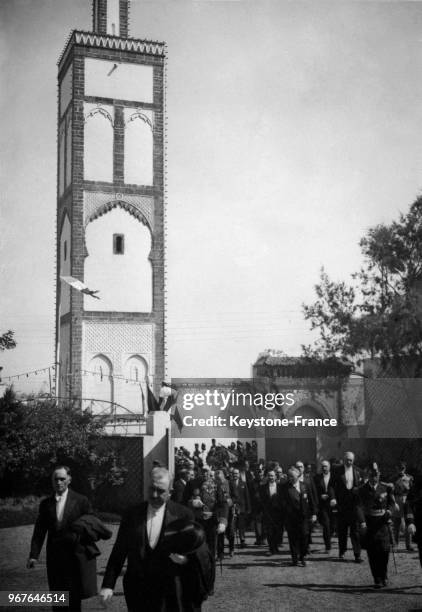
(79, 286)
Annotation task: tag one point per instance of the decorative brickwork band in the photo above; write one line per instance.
(104, 41)
(105, 208)
(98, 203)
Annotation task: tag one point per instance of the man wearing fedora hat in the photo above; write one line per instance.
(169, 566)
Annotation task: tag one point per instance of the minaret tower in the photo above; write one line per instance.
(110, 212)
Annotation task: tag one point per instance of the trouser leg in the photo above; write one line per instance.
(383, 560)
(420, 551)
(354, 537)
(342, 526)
(294, 544)
(324, 519)
(220, 545)
(273, 537)
(373, 562)
(304, 534)
(259, 528)
(241, 525)
(281, 532)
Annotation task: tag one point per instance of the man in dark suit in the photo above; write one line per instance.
(179, 486)
(326, 502)
(375, 509)
(272, 514)
(346, 485)
(306, 477)
(299, 513)
(241, 504)
(156, 579)
(56, 515)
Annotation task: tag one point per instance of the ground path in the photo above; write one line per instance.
(253, 582)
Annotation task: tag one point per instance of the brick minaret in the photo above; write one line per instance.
(110, 212)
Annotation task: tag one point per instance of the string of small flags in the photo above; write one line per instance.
(52, 368)
(28, 374)
(107, 376)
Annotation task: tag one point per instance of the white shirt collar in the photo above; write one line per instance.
(63, 497)
(155, 518)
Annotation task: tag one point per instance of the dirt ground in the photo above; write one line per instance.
(251, 581)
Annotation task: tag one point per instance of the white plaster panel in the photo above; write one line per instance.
(62, 141)
(138, 159)
(66, 90)
(64, 355)
(124, 281)
(98, 142)
(65, 289)
(93, 200)
(68, 169)
(113, 17)
(118, 341)
(124, 82)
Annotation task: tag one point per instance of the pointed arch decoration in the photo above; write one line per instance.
(99, 110)
(138, 114)
(127, 206)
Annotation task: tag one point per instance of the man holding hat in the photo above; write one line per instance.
(169, 566)
(375, 509)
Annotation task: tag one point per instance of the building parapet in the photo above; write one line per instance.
(116, 43)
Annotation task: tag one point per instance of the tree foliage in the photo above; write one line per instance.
(7, 340)
(36, 435)
(379, 314)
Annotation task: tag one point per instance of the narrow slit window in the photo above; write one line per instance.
(65, 250)
(118, 244)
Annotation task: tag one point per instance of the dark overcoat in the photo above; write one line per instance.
(64, 569)
(153, 582)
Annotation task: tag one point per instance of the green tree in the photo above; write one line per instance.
(379, 314)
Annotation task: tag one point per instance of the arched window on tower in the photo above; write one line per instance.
(99, 384)
(98, 143)
(138, 166)
(134, 391)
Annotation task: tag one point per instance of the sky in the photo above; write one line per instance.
(293, 127)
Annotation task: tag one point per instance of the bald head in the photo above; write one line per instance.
(293, 475)
(325, 466)
(159, 488)
(349, 458)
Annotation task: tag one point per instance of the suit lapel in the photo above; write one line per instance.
(52, 509)
(141, 529)
(68, 507)
(169, 516)
(294, 493)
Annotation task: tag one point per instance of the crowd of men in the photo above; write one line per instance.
(230, 490)
(173, 539)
